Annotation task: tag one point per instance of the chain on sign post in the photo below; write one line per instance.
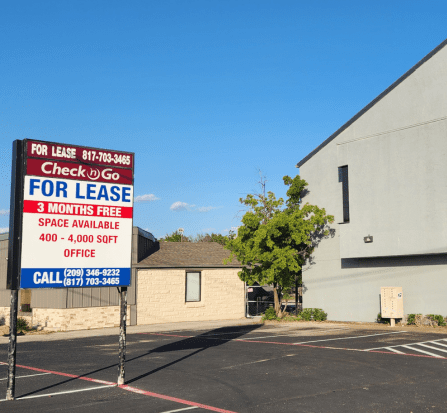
(70, 225)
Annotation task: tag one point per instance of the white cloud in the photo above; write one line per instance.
(207, 209)
(3, 230)
(181, 206)
(184, 206)
(4, 211)
(208, 229)
(146, 198)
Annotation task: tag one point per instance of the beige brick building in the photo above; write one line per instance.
(188, 282)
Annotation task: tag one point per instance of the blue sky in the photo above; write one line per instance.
(206, 93)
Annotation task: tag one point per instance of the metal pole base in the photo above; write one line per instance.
(122, 338)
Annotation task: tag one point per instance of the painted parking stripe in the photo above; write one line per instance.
(126, 387)
(275, 335)
(422, 351)
(439, 344)
(349, 338)
(62, 392)
(394, 350)
(408, 344)
(181, 410)
(433, 348)
(29, 375)
(389, 349)
(173, 399)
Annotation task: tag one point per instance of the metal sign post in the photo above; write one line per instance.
(122, 339)
(14, 257)
(70, 225)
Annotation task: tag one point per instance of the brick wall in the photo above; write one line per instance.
(67, 319)
(161, 296)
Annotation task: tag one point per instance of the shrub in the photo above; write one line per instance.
(270, 314)
(319, 314)
(438, 318)
(306, 314)
(316, 314)
(22, 324)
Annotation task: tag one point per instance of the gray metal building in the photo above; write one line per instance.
(143, 243)
(383, 175)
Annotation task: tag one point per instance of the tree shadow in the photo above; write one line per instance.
(201, 342)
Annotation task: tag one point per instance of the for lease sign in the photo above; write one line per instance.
(77, 216)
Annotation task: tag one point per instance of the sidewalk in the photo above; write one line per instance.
(150, 328)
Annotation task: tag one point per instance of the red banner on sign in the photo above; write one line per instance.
(66, 208)
(79, 172)
(87, 156)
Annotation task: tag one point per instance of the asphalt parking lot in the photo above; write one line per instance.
(249, 368)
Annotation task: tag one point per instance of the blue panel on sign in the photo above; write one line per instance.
(74, 277)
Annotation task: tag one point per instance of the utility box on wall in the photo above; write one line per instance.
(392, 302)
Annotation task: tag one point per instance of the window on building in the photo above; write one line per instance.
(193, 284)
(343, 178)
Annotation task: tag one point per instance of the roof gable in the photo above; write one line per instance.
(372, 103)
(188, 255)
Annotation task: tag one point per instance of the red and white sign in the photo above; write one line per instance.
(91, 156)
(77, 217)
(67, 170)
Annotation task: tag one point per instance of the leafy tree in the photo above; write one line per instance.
(175, 237)
(219, 238)
(276, 238)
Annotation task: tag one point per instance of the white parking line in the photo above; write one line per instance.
(348, 338)
(439, 344)
(393, 350)
(181, 410)
(409, 344)
(433, 348)
(62, 392)
(257, 338)
(422, 351)
(29, 375)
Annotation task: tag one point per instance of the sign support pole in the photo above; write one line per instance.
(10, 392)
(122, 338)
(14, 257)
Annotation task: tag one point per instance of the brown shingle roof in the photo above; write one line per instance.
(188, 255)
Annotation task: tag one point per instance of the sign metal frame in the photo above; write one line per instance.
(19, 171)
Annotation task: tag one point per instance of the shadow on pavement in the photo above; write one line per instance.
(201, 342)
(213, 338)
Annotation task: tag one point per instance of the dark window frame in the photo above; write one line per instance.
(343, 174)
(186, 286)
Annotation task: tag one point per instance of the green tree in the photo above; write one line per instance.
(175, 237)
(213, 237)
(277, 238)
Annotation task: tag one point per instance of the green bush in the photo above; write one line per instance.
(22, 324)
(316, 314)
(319, 315)
(438, 318)
(306, 314)
(270, 314)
